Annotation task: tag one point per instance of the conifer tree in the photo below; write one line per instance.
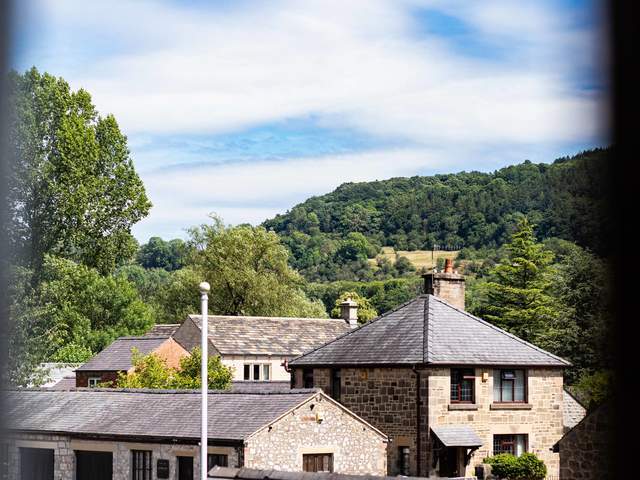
(518, 298)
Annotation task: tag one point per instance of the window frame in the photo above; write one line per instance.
(251, 368)
(145, 471)
(525, 393)
(514, 442)
(212, 456)
(96, 381)
(336, 381)
(307, 457)
(307, 378)
(463, 377)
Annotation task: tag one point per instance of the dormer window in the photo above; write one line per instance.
(509, 386)
(462, 385)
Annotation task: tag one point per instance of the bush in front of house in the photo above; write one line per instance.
(509, 467)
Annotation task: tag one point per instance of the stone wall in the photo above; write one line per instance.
(541, 418)
(318, 426)
(384, 397)
(65, 447)
(585, 452)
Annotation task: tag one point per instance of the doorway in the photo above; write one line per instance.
(36, 464)
(185, 468)
(450, 462)
(94, 465)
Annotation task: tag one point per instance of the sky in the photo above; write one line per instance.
(246, 108)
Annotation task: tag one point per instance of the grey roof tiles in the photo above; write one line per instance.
(270, 335)
(163, 329)
(427, 330)
(117, 356)
(146, 413)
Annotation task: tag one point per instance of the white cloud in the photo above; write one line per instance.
(355, 62)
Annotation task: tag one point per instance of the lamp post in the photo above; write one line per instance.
(204, 301)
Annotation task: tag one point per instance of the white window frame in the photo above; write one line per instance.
(93, 382)
(261, 370)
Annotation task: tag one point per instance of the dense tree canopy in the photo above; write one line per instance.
(158, 253)
(249, 274)
(565, 199)
(73, 190)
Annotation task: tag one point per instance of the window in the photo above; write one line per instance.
(336, 386)
(513, 444)
(93, 382)
(217, 460)
(403, 461)
(307, 378)
(462, 385)
(257, 371)
(509, 386)
(141, 464)
(317, 462)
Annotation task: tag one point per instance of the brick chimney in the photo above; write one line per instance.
(447, 285)
(349, 312)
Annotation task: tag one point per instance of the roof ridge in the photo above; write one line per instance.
(210, 317)
(159, 391)
(358, 327)
(500, 330)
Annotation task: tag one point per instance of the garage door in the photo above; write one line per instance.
(94, 465)
(36, 464)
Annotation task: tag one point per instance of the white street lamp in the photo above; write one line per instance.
(204, 301)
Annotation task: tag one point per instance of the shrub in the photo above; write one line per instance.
(525, 467)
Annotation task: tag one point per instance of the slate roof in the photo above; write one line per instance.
(117, 356)
(427, 330)
(274, 386)
(146, 413)
(457, 436)
(572, 410)
(163, 329)
(270, 335)
(256, 474)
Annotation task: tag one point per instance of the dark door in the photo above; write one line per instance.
(449, 462)
(94, 465)
(185, 468)
(36, 464)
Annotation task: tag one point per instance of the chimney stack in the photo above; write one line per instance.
(349, 312)
(447, 285)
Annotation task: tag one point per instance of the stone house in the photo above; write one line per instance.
(117, 358)
(258, 348)
(585, 450)
(448, 388)
(100, 434)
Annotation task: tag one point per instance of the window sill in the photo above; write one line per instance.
(463, 406)
(510, 406)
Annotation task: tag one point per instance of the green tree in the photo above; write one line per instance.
(249, 274)
(509, 467)
(158, 253)
(73, 191)
(518, 297)
(152, 371)
(366, 311)
(70, 314)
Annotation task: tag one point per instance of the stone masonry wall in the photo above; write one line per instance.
(64, 454)
(357, 449)
(384, 397)
(585, 452)
(541, 418)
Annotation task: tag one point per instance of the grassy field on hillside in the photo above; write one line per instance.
(420, 258)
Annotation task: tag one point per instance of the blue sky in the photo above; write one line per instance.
(247, 108)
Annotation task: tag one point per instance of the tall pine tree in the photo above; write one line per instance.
(518, 298)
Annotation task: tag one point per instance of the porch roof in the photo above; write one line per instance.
(457, 436)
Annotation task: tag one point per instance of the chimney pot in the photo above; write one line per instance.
(349, 312)
(448, 266)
